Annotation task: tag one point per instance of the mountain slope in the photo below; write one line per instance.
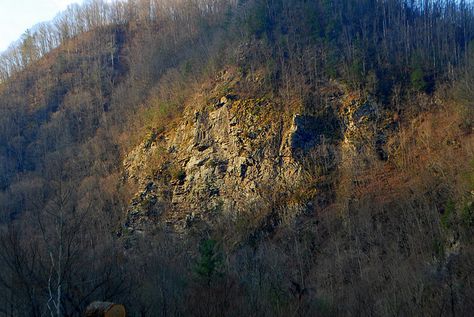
(221, 158)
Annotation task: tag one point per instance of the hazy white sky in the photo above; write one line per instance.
(16, 16)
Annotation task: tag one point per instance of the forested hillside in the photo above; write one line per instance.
(240, 158)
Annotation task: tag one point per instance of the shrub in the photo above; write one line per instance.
(209, 264)
(417, 78)
(178, 174)
(448, 214)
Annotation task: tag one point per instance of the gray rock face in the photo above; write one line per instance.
(226, 157)
(232, 155)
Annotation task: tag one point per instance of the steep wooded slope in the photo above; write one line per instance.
(261, 158)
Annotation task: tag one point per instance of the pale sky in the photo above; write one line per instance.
(16, 16)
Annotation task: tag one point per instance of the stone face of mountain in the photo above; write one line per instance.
(229, 154)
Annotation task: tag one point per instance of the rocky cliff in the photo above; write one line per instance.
(232, 153)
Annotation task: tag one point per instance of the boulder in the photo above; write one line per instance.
(105, 309)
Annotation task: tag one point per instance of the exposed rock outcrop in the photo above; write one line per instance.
(233, 153)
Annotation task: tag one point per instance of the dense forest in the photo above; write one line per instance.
(384, 231)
